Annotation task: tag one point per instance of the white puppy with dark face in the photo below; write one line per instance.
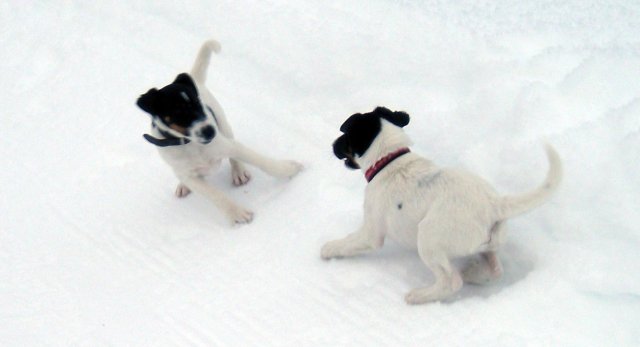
(193, 136)
(443, 213)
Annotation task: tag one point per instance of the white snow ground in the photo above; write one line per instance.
(96, 251)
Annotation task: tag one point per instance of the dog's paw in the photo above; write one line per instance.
(240, 176)
(477, 271)
(331, 249)
(416, 297)
(287, 169)
(425, 295)
(182, 190)
(239, 215)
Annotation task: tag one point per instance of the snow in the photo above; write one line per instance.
(96, 250)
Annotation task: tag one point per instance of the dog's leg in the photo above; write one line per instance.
(487, 266)
(239, 174)
(483, 269)
(182, 190)
(276, 168)
(433, 236)
(448, 280)
(362, 241)
(235, 213)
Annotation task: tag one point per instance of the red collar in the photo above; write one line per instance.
(384, 161)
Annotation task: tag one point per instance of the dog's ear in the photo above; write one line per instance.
(347, 124)
(186, 80)
(148, 101)
(398, 118)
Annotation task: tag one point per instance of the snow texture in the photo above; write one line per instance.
(96, 250)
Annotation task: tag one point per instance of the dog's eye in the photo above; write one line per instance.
(185, 96)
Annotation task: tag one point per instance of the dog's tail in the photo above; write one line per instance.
(517, 204)
(199, 69)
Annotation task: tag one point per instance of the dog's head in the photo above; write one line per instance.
(177, 109)
(360, 130)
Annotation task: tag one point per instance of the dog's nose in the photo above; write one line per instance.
(207, 133)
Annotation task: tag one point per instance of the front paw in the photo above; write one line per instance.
(239, 215)
(332, 249)
(182, 190)
(240, 176)
(287, 169)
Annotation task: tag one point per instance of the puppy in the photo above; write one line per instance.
(192, 134)
(443, 213)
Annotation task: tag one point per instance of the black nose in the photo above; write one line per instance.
(207, 132)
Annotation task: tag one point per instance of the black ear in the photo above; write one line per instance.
(185, 80)
(149, 101)
(398, 118)
(347, 124)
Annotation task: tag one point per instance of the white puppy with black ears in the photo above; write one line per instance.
(193, 136)
(443, 213)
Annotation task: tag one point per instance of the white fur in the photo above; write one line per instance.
(193, 161)
(442, 213)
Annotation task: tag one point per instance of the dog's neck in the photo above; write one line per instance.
(390, 140)
(373, 170)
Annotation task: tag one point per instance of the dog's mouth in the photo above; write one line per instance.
(179, 129)
(168, 122)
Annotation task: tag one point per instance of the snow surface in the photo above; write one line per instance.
(96, 250)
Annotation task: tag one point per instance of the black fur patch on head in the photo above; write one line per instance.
(398, 118)
(360, 130)
(175, 105)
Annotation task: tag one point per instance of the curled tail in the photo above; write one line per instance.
(517, 204)
(200, 66)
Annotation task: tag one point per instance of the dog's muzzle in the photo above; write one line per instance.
(342, 151)
(206, 134)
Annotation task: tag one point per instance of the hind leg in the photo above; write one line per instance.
(448, 280)
(434, 249)
(484, 269)
(487, 267)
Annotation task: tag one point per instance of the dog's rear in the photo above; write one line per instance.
(200, 66)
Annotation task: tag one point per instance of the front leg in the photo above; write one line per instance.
(239, 174)
(235, 213)
(276, 168)
(364, 240)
